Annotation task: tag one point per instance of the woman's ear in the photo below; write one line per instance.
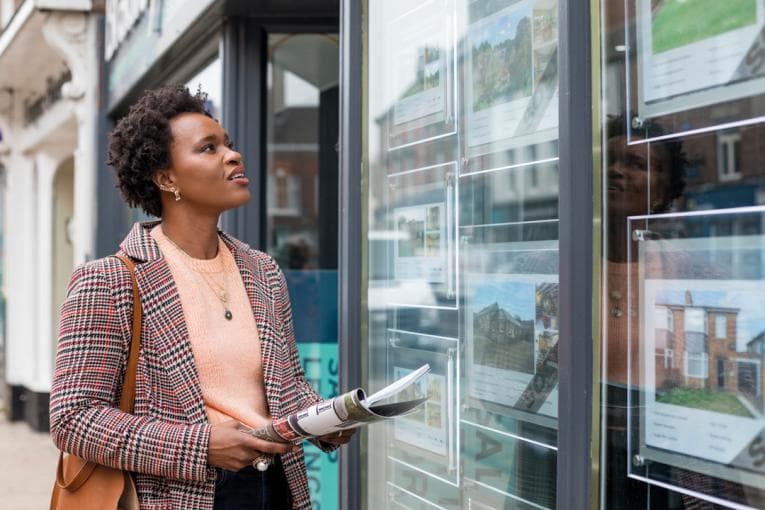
(163, 180)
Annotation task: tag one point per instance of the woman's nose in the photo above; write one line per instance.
(233, 157)
(616, 170)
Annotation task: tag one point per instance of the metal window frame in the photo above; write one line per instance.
(575, 350)
(244, 105)
(349, 236)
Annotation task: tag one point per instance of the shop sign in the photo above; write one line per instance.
(320, 364)
(121, 16)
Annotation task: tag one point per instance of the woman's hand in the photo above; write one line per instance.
(232, 448)
(338, 438)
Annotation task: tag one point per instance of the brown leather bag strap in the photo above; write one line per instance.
(77, 480)
(128, 386)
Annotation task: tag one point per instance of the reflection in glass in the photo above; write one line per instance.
(682, 414)
(301, 212)
(210, 80)
(301, 150)
(462, 223)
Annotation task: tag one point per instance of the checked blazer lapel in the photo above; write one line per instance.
(164, 323)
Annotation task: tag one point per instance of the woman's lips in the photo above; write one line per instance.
(241, 179)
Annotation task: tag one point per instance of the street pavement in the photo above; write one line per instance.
(27, 467)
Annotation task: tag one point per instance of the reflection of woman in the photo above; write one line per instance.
(217, 347)
(642, 179)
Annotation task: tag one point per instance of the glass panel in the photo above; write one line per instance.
(683, 307)
(462, 267)
(301, 209)
(210, 80)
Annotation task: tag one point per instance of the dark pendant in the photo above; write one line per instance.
(228, 315)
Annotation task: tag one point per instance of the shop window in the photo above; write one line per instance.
(461, 160)
(729, 156)
(533, 177)
(682, 194)
(285, 192)
(301, 156)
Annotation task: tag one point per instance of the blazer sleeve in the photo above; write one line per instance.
(88, 376)
(307, 395)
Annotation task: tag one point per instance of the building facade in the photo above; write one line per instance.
(50, 61)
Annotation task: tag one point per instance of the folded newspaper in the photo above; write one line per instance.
(346, 411)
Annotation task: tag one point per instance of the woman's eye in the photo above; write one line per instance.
(638, 163)
(208, 148)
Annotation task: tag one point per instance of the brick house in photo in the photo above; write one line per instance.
(695, 347)
(504, 340)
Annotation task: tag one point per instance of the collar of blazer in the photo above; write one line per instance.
(140, 246)
(163, 314)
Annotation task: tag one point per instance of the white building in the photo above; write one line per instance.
(49, 84)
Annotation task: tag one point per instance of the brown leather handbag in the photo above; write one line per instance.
(84, 485)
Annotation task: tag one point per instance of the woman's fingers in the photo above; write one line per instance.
(260, 445)
(231, 449)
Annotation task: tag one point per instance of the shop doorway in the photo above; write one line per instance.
(301, 208)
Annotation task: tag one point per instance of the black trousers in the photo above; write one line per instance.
(249, 489)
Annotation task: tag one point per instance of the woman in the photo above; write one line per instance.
(217, 347)
(644, 179)
(641, 179)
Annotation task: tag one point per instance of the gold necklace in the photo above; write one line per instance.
(219, 290)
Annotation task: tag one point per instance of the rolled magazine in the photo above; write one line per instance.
(347, 411)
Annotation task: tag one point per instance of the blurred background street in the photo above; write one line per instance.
(28, 467)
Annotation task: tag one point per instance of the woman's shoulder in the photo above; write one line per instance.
(109, 271)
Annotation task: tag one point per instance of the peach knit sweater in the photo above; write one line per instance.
(226, 352)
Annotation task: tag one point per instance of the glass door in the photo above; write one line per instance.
(301, 211)
(461, 263)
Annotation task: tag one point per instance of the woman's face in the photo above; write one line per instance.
(632, 189)
(205, 168)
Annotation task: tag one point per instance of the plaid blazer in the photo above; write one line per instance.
(165, 441)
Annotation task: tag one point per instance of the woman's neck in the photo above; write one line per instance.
(198, 237)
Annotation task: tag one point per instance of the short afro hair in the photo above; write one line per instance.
(674, 161)
(140, 143)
